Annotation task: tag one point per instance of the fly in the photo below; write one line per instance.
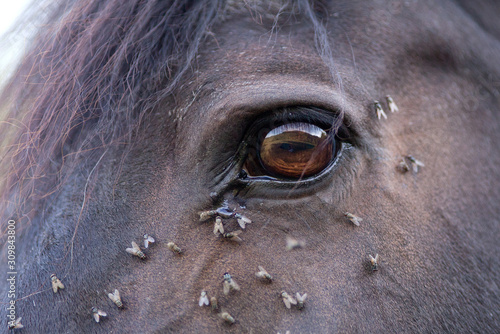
(227, 317)
(378, 108)
(300, 300)
(292, 243)
(148, 240)
(242, 220)
(218, 227)
(374, 262)
(264, 274)
(174, 248)
(203, 299)
(353, 218)
(205, 215)
(98, 314)
(115, 297)
(415, 163)
(390, 102)
(233, 236)
(56, 283)
(229, 284)
(16, 324)
(213, 302)
(288, 300)
(135, 250)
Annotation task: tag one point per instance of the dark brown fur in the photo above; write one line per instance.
(133, 114)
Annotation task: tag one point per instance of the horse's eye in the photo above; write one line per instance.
(292, 151)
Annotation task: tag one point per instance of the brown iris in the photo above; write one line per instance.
(296, 150)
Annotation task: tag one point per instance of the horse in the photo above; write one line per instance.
(254, 167)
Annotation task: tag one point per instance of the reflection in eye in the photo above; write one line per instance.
(292, 151)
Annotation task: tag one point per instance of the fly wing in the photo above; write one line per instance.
(57, 284)
(241, 222)
(114, 296)
(134, 250)
(234, 236)
(148, 240)
(300, 298)
(235, 285)
(226, 287)
(415, 168)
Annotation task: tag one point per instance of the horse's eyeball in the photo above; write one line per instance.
(295, 151)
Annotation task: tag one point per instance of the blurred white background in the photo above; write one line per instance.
(9, 12)
(12, 45)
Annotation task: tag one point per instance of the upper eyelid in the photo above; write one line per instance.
(242, 105)
(308, 114)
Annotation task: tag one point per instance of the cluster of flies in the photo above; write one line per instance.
(225, 213)
(380, 111)
(407, 162)
(136, 251)
(96, 313)
(229, 284)
(115, 297)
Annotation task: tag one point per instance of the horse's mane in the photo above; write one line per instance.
(88, 78)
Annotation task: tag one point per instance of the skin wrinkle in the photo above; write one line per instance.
(432, 229)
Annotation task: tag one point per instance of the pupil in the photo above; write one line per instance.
(296, 146)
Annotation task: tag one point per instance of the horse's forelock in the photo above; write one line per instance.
(85, 81)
